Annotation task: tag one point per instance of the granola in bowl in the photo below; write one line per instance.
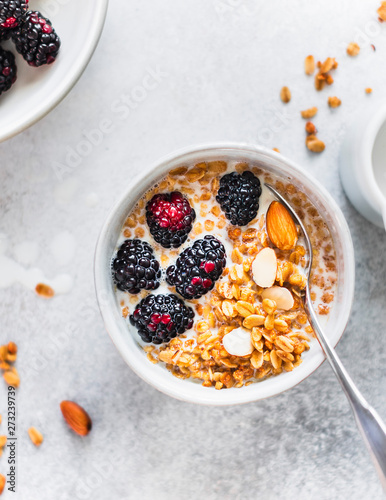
(208, 280)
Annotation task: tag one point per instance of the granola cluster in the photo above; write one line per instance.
(278, 326)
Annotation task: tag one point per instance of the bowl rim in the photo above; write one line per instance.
(67, 83)
(177, 388)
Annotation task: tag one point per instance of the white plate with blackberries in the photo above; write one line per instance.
(40, 60)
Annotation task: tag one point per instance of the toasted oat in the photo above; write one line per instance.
(309, 113)
(285, 94)
(382, 11)
(353, 49)
(44, 291)
(314, 144)
(334, 102)
(309, 65)
(253, 320)
(12, 378)
(35, 436)
(310, 128)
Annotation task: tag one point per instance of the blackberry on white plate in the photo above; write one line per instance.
(7, 70)
(36, 39)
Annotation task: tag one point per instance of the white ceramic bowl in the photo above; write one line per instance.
(117, 327)
(358, 159)
(38, 90)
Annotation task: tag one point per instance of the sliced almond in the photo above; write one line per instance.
(281, 228)
(76, 417)
(238, 342)
(264, 268)
(281, 295)
(35, 436)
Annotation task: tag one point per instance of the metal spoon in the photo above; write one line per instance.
(370, 424)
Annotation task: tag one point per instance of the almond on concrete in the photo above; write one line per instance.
(281, 295)
(35, 436)
(309, 65)
(281, 228)
(264, 268)
(76, 417)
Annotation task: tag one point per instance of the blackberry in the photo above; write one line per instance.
(238, 197)
(12, 12)
(36, 39)
(160, 318)
(7, 70)
(197, 268)
(5, 34)
(135, 267)
(170, 218)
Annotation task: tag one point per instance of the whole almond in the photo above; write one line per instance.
(76, 417)
(281, 228)
(35, 436)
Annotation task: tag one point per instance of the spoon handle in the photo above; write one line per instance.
(370, 424)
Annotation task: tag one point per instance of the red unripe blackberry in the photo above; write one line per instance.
(170, 218)
(198, 268)
(160, 318)
(12, 12)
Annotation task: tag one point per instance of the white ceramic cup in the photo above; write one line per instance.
(363, 164)
(121, 332)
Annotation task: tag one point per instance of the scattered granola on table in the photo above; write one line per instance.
(223, 323)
